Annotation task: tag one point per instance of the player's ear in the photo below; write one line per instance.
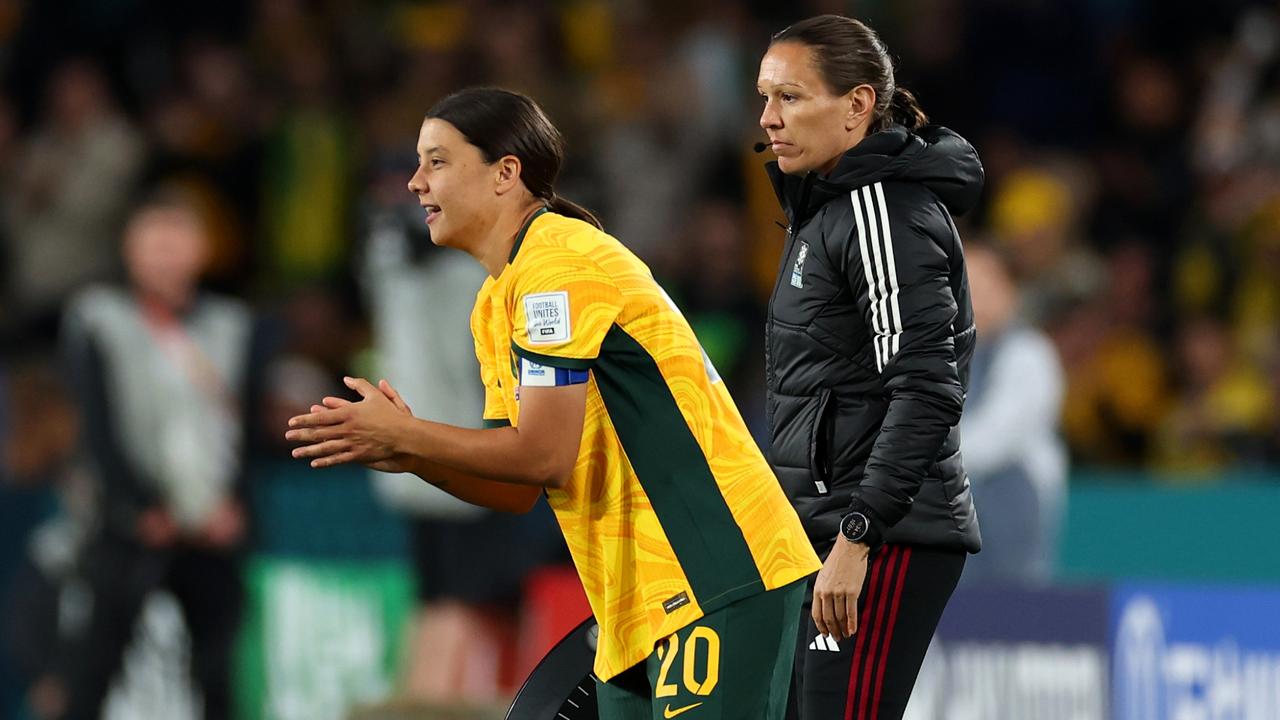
(507, 174)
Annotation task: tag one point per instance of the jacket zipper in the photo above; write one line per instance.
(792, 231)
(768, 327)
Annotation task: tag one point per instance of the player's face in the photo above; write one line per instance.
(807, 124)
(453, 184)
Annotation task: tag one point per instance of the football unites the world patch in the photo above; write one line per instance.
(534, 375)
(547, 317)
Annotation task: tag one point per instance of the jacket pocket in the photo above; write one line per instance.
(820, 441)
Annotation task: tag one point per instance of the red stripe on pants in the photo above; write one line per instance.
(868, 618)
(893, 622)
(866, 689)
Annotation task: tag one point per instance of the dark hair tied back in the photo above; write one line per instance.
(905, 110)
(501, 123)
(849, 54)
(569, 208)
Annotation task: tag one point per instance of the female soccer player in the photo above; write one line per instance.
(870, 334)
(598, 394)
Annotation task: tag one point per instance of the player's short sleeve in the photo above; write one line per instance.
(495, 408)
(564, 304)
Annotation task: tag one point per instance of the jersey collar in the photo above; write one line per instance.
(525, 231)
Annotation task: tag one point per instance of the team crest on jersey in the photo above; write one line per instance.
(797, 272)
(547, 317)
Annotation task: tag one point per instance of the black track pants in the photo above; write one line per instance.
(870, 675)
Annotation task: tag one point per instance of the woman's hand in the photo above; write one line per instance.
(225, 527)
(157, 529)
(368, 431)
(836, 590)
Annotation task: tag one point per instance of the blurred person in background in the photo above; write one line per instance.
(870, 332)
(67, 190)
(206, 127)
(420, 299)
(650, 155)
(598, 395)
(1016, 462)
(1117, 373)
(162, 373)
(43, 519)
(1034, 213)
(1222, 415)
(710, 281)
(307, 151)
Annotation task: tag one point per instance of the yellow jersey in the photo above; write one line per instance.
(672, 511)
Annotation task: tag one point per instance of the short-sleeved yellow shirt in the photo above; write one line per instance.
(672, 511)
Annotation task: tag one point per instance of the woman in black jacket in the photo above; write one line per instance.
(869, 336)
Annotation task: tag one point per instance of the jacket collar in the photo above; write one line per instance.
(880, 155)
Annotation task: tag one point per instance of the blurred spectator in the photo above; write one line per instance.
(1035, 213)
(1117, 379)
(1143, 167)
(1132, 151)
(308, 157)
(163, 375)
(207, 127)
(1009, 433)
(1255, 306)
(1238, 118)
(1224, 412)
(45, 502)
(653, 151)
(68, 186)
(709, 281)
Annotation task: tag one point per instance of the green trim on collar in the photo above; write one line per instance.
(525, 231)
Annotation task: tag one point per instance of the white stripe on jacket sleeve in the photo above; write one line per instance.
(871, 282)
(892, 269)
(879, 266)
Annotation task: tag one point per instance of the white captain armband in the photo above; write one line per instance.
(534, 375)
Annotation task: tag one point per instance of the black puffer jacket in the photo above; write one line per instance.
(870, 333)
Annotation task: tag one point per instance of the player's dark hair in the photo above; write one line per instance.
(849, 54)
(501, 123)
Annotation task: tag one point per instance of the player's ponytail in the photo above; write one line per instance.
(848, 53)
(569, 208)
(501, 123)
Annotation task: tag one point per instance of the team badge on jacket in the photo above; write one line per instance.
(798, 270)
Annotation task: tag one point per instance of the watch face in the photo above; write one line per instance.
(853, 526)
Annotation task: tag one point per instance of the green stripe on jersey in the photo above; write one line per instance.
(674, 473)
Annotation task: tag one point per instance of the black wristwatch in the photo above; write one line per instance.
(855, 526)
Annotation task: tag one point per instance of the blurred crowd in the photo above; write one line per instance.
(1130, 150)
(1132, 201)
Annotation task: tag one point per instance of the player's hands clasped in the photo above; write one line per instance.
(837, 587)
(367, 431)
